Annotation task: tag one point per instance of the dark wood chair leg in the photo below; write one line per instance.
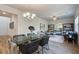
(42, 50)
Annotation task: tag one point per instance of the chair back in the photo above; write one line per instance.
(18, 35)
(44, 40)
(75, 36)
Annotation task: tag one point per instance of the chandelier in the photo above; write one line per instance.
(54, 18)
(29, 15)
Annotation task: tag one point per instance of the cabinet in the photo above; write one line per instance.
(68, 27)
(51, 27)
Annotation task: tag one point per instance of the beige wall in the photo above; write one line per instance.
(8, 9)
(15, 30)
(21, 27)
(25, 23)
(14, 17)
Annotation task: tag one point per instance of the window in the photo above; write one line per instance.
(76, 24)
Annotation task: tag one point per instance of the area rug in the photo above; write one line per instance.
(57, 38)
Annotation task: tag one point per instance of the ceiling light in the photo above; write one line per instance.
(3, 12)
(54, 18)
(24, 15)
(28, 14)
(33, 15)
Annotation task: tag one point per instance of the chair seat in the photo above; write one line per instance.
(29, 48)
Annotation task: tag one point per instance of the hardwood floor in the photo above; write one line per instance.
(4, 46)
(61, 48)
(54, 47)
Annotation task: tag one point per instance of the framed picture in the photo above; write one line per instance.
(42, 27)
(11, 25)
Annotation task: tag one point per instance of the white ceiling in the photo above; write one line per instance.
(47, 10)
